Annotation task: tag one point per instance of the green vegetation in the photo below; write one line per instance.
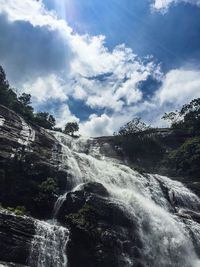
(22, 104)
(132, 127)
(85, 217)
(187, 119)
(47, 192)
(187, 157)
(49, 186)
(71, 128)
(19, 210)
(176, 152)
(44, 119)
(185, 160)
(31, 184)
(9, 98)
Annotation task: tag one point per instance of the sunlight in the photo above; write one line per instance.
(65, 9)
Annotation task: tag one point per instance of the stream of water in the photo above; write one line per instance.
(166, 238)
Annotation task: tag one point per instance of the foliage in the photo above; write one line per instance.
(47, 193)
(25, 99)
(49, 186)
(44, 119)
(22, 104)
(187, 119)
(19, 210)
(57, 129)
(71, 128)
(6, 94)
(85, 217)
(132, 127)
(186, 158)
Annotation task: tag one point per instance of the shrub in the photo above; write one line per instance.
(19, 210)
(186, 158)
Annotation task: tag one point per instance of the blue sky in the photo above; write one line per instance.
(102, 63)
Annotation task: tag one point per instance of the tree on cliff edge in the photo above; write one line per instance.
(132, 127)
(187, 119)
(71, 128)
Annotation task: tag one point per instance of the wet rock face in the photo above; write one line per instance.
(18, 138)
(101, 231)
(11, 264)
(16, 234)
(29, 158)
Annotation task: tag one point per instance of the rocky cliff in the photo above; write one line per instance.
(28, 166)
(94, 209)
(29, 157)
(16, 234)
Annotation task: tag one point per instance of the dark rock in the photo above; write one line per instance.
(95, 188)
(29, 156)
(11, 264)
(189, 214)
(16, 234)
(99, 229)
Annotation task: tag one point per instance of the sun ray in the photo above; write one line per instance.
(65, 9)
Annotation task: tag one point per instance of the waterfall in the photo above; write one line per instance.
(2, 120)
(27, 134)
(166, 237)
(49, 245)
(58, 204)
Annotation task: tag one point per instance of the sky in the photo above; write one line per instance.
(102, 63)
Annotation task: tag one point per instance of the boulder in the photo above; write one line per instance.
(101, 231)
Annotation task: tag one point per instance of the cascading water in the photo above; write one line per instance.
(49, 245)
(58, 204)
(166, 238)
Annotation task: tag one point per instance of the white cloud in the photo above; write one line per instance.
(100, 77)
(45, 88)
(91, 58)
(97, 126)
(163, 5)
(34, 12)
(64, 115)
(179, 87)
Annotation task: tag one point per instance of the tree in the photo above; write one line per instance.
(7, 95)
(132, 127)
(44, 119)
(52, 121)
(187, 119)
(71, 128)
(25, 99)
(172, 117)
(2, 75)
(22, 104)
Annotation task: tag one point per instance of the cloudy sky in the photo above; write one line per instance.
(102, 63)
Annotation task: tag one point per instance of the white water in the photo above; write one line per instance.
(49, 245)
(166, 239)
(27, 134)
(2, 120)
(58, 204)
